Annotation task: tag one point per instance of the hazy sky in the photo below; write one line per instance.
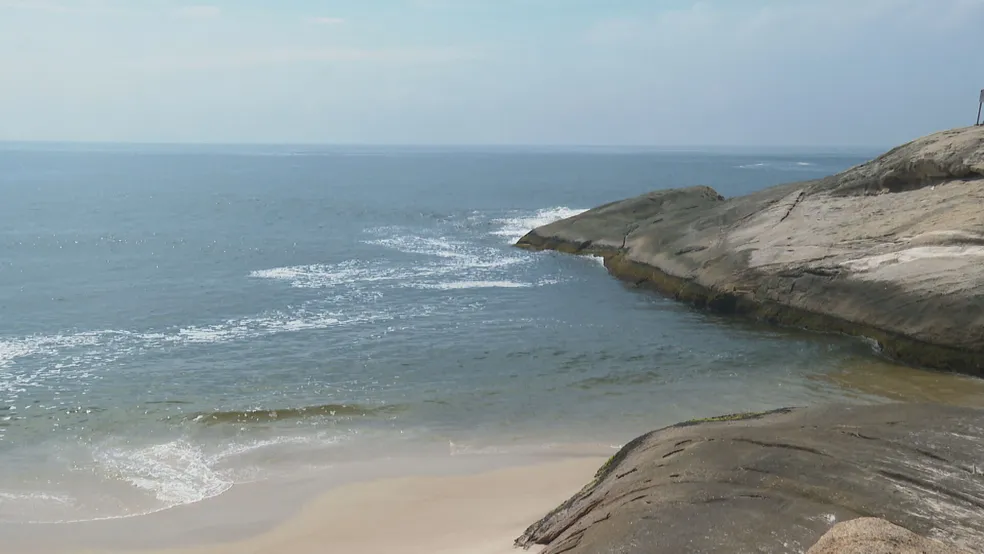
(660, 72)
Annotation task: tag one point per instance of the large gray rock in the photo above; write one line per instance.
(777, 482)
(892, 250)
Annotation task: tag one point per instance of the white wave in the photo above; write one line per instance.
(66, 360)
(429, 246)
(514, 228)
(21, 347)
(300, 319)
(170, 474)
(273, 323)
(456, 285)
(778, 165)
(453, 255)
(239, 449)
(260, 326)
(35, 497)
(443, 258)
(349, 273)
(179, 472)
(175, 473)
(330, 275)
(13, 349)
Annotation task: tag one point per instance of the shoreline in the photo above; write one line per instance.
(501, 494)
(254, 508)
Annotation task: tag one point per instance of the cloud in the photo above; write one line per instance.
(199, 12)
(327, 20)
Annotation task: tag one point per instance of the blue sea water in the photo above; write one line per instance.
(178, 319)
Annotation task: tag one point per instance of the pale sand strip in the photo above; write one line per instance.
(476, 514)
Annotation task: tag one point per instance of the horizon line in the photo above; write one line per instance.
(430, 145)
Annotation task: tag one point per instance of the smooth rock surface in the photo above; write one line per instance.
(776, 483)
(876, 536)
(892, 250)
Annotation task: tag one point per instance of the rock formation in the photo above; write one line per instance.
(892, 250)
(778, 482)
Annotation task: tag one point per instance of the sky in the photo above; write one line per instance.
(523, 72)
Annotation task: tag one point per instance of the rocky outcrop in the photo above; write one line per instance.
(892, 250)
(778, 482)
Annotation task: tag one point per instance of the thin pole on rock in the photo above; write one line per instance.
(980, 104)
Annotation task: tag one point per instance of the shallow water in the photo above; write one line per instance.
(884, 379)
(176, 320)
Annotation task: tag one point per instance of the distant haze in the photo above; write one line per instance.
(595, 72)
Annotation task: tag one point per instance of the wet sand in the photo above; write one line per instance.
(462, 514)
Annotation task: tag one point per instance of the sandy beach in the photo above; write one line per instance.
(462, 514)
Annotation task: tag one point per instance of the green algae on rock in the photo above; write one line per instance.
(733, 417)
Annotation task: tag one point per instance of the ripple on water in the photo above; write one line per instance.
(285, 414)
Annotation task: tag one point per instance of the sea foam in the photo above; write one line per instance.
(444, 261)
(780, 166)
(457, 285)
(72, 359)
(515, 227)
(176, 472)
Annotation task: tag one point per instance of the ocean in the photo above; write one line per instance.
(177, 320)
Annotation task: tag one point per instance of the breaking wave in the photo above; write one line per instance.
(515, 227)
(66, 360)
(440, 258)
(781, 166)
(458, 285)
(444, 261)
(164, 475)
(174, 473)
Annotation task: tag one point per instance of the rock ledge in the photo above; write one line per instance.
(892, 250)
(778, 482)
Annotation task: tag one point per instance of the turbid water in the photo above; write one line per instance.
(176, 320)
